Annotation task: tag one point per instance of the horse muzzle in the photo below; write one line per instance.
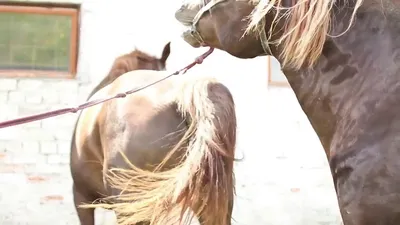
(186, 17)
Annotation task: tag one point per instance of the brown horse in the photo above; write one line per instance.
(341, 59)
(134, 60)
(156, 153)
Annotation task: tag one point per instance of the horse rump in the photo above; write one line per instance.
(202, 181)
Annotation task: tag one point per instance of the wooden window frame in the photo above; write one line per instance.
(48, 9)
(270, 81)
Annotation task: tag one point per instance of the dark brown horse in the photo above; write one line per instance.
(341, 57)
(156, 153)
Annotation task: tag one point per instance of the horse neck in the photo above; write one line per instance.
(99, 86)
(120, 66)
(357, 69)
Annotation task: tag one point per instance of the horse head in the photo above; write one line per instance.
(135, 60)
(292, 31)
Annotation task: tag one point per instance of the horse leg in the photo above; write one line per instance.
(86, 216)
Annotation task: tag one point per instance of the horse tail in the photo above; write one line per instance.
(203, 180)
(206, 182)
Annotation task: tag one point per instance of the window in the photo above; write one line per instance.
(38, 40)
(275, 74)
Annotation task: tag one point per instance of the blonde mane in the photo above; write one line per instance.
(307, 26)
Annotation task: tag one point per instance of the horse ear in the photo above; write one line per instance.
(166, 52)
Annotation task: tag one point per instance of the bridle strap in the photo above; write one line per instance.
(207, 7)
(204, 9)
(264, 39)
(198, 16)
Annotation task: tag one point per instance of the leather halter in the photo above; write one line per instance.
(208, 7)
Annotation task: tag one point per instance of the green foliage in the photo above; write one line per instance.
(34, 41)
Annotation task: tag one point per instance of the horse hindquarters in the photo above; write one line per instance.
(80, 193)
(209, 188)
(203, 181)
(86, 168)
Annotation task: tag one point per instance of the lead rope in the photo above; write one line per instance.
(49, 114)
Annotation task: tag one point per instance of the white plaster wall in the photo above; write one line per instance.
(283, 180)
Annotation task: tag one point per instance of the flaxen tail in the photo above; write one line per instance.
(204, 179)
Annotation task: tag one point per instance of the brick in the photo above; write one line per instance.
(31, 109)
(33, 98)
(64, 159)
(8, 84)
(58, 106)
(64, 147)
(11, 168)
(69, 98)
(30, 84)
(50, 169)
(36, 178)
(48, 147)
(10, 134)
(16, 97)
(28, 158)
(3, 117)
(34, 124)
(3, 146)
(84, 90)
(51, 97)
(65, 86)
(51, 198)
(63, 121)
(10, 146)
(54, 159)
(31, 147)
(63, 134)
(5, 158)
(34, 134)
(8, 111)
(294, 190)
(3, 97)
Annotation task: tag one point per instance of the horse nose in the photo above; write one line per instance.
(186, 15)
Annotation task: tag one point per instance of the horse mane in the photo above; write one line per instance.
(129, 62)
(123, 64)
(307, 25)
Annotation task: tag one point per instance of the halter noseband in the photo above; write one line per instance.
(207, 7)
